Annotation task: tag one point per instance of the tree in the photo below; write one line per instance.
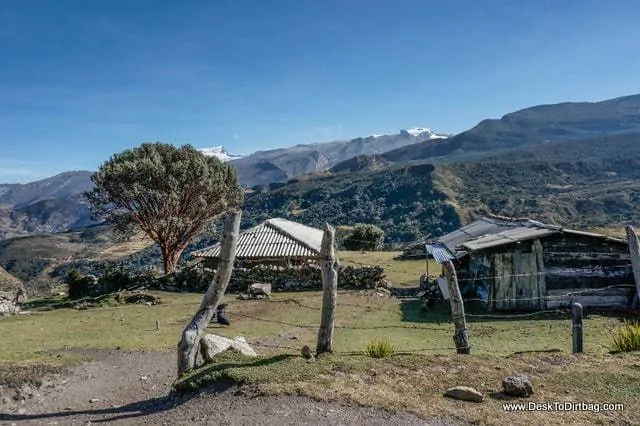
(169, 193)
(364, 237)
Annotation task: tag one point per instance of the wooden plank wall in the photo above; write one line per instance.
(515, 281)
(577, 263)
(556, 270)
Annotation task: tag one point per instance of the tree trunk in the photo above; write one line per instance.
(190, 341)
(330, 267)
(170, 259)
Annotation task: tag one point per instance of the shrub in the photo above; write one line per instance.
(627, 337)
(116, 278)
(364, 237)
(79, 285)
(379, 349)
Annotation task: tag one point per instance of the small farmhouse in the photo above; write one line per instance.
(522, 264)
(277, 242)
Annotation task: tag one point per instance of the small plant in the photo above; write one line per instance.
(379, 349)
(627, 337)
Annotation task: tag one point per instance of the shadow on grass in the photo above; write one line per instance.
(217, 372)
(440, 312)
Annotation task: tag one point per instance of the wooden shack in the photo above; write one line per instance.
(523, 264)
(547, 268)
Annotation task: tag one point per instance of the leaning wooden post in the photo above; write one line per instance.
(634, 255)
(461, 336)
(576, 319)
(190, 341)
(330, 267)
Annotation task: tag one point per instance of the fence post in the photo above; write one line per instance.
(576, 319)
(329, 271)
(190, 340)
(634, 255)
(461, 336)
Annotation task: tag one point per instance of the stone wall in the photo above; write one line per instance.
(286, 278)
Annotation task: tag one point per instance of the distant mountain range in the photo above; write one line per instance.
(536, 126)
(279, 165)
(569, 132)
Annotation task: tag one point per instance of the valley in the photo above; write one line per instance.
(584, 174)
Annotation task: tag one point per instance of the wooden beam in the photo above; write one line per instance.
(540, 269)
(461, 336)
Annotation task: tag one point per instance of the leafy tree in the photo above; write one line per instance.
(170, 193)
(364, 237)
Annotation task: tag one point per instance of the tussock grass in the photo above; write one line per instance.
(627, 337)
(380, 349)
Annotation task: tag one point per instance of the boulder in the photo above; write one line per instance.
(212, 344)
(260, 289)
(518, 385)
(464, 393)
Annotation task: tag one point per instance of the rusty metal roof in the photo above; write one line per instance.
(501, 232)
(488, 225)
(272, 239)
(507, 237)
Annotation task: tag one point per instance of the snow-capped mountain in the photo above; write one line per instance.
(423, 133)
(220, 152)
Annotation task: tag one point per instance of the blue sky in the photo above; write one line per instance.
(80, 80)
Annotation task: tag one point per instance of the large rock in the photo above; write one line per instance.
(518, 385)
(260, 289)
(212, 344)
(464, 393)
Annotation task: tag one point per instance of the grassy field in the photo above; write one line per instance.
(399, 272)
(423, 366)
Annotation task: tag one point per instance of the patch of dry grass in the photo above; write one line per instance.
(416, 383)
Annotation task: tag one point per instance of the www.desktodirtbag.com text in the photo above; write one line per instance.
(561, 406)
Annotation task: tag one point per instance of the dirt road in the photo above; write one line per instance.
(132, 388)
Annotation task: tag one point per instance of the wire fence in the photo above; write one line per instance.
(436, 325)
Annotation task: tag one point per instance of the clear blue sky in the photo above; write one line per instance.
(80, 80)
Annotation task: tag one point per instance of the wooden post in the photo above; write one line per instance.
(330, 268)
(634, 254)
(576, 319)
(461, 336)
(190, 341)
(426, 261)
(157, 325)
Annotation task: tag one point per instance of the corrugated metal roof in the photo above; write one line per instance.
(507, 237)
(439, 252)
(271, 239)
(491, 232)
(482, 227)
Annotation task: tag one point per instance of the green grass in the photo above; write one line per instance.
(399, 272)
(423, 365)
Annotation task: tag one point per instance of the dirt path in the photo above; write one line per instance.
(132, 388)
